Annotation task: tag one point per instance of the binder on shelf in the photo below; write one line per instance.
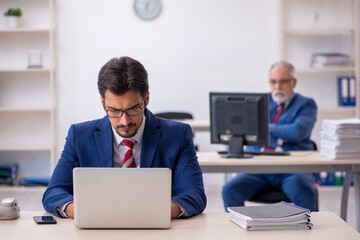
(347, 90)
(8, 173)
(327, 179)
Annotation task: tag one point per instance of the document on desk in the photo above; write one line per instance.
(277, 216)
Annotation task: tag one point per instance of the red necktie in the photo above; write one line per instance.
(278, 113)
(129, 161)
(275, 120)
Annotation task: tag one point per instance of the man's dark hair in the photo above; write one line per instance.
(120, 75)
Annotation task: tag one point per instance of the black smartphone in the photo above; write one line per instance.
(44, 219)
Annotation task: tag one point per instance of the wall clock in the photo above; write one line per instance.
(147, 9)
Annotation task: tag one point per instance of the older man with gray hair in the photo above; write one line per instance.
(292, 119)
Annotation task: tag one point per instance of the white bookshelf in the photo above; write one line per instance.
(27, 95)
(307, 27)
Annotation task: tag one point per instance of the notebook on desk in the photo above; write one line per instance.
(122, 197)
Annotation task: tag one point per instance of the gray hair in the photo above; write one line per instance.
(286, 64)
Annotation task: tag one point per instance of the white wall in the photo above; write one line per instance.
(192, 48)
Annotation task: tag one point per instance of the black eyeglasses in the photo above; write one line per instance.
(281, 81)
(117, 113)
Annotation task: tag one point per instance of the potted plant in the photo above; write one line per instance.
(13, 15)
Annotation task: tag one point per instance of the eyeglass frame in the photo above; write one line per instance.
(125, 111)
(282, 81)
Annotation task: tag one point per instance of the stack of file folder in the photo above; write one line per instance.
(340, 139)
(276, 216)
(319, 60)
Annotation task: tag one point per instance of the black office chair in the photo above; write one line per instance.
(274, 196)
(176, 116)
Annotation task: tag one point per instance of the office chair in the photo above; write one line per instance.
(274, 196)
(176, 116)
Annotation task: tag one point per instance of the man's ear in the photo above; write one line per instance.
(147, 97)
(102, 101)
(293, 83)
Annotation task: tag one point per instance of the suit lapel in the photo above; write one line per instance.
(104, 142)
(150, 140)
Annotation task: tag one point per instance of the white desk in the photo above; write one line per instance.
(298, 161)
(198, 125)
(204, 226)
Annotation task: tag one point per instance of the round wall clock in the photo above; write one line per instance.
(147, 9)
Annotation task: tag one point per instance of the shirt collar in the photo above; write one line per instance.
(138, 136)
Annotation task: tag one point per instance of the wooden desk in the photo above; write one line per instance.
(298, 161)
(205, 226)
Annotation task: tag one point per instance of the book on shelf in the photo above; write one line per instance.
(276, 216)
(319, 60)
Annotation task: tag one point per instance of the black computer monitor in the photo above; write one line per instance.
(239, 119)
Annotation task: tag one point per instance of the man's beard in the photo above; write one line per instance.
(282, 99)
(126, 136)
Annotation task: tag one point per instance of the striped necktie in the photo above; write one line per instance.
(129, 161)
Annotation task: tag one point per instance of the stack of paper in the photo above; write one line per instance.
(340, 138)
(276, 216)
(329, 60)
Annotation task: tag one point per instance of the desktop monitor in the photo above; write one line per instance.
(238, 119)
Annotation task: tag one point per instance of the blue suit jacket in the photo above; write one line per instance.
(165, 144)
(294, 125)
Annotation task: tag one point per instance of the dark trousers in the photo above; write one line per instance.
(299, 187)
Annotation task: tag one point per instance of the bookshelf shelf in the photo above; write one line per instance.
(29, 70)
(326, 70)
(329, 31)
(25, 109)
(25, 30)
(25, 148)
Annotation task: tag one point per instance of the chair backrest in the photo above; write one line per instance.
(314, 145)
(174, 115)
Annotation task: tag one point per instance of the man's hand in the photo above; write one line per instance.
(69, 210)
(175, 210)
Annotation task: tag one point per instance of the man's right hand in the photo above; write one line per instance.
(69, 210)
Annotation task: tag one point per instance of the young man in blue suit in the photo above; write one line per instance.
(293, 117)
(155, 142)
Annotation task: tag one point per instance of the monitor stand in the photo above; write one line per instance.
(236, 148)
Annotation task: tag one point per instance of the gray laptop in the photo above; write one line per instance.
(122, 197)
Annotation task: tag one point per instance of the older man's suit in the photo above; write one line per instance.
(165, 144)
(294, 128)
